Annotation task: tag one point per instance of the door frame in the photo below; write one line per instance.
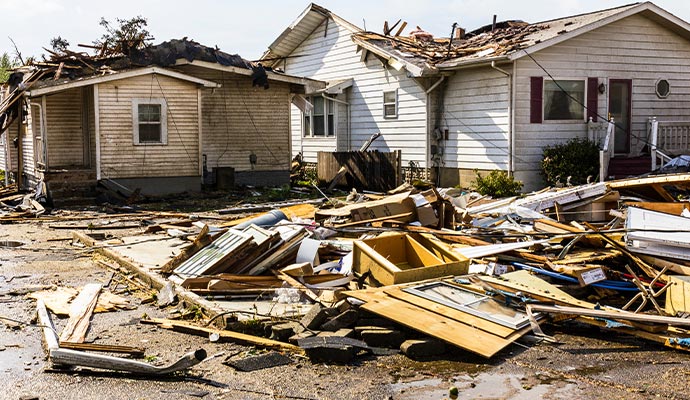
(629, 82)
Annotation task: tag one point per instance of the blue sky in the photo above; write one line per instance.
(247, 28)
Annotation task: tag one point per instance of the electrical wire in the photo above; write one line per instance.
(172, 117)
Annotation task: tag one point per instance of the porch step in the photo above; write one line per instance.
(625, 167)
(72, 188)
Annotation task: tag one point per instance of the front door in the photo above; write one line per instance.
(620, 109)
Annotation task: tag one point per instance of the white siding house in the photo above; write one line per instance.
(491, 99)
(319, 46)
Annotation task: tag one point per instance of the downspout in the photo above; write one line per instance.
(347, 104)
(429, 129)
(511, 137)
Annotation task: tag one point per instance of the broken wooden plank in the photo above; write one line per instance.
(80, 313)
(186, 327)
(610, 314)
(454, 332)
(108, 348)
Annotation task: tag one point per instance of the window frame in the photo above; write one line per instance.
(329, 113)
(656, 88)
(163, 121)
(394, 103)
(545, 118)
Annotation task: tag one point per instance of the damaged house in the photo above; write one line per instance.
(493, 98)
(165, 119)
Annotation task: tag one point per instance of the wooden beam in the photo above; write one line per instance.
(80, 313)
(186, 327)
(622, 315)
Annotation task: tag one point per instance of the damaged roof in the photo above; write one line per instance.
(299, 30)
(79, 69)
(507, 40)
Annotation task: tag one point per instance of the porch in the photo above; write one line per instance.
(661, 142)
(64, 144)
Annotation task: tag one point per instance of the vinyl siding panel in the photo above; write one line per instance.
(329, 54)
(120, 158)
(633, 48)
(239, 120)
(476, 114)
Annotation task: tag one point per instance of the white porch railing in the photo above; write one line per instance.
(603, 133)
(667, 140)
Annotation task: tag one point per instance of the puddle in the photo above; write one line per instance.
(10, 243)
(484, 386)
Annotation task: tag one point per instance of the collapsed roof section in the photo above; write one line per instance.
(424, 55)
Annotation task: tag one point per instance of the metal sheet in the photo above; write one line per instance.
(212, 254)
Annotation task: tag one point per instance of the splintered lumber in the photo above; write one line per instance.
(622, 315)
(107, 348)
(49, 332)
(202, 240)
(439, 326)
(237, 337)
(80, 313)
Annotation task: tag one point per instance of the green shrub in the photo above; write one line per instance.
(577, 159)
(497, 184)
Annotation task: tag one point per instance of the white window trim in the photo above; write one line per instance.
(327, 103)
(135, 121)
(395, 103)
(562, 121)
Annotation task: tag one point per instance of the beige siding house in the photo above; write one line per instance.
(158, 129)
(496, 96)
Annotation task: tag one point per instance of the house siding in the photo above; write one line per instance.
(239, 120)
(633, 48)
(120, 158)
(476, 114)
(64, 128)
(329, 54)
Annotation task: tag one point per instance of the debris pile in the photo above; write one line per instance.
(418, 271)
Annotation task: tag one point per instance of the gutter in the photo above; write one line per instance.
(511, 136)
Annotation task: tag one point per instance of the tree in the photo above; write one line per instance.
(6, 64)
(130, 34)
(59, 44)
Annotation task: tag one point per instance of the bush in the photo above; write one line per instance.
(577, 159)
(497, 184)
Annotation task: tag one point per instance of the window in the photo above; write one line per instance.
(390, 104)
(320, 122)
(564, 99)
(476, 304)
(663, 88)
(149, 121)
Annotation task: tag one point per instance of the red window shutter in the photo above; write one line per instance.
(535, 99)
(592, 98)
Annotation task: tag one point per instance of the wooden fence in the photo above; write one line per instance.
(366, 170)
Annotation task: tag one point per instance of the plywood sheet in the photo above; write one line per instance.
(449, 330)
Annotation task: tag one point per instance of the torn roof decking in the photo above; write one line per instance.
(507, 41)
(168, 58)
